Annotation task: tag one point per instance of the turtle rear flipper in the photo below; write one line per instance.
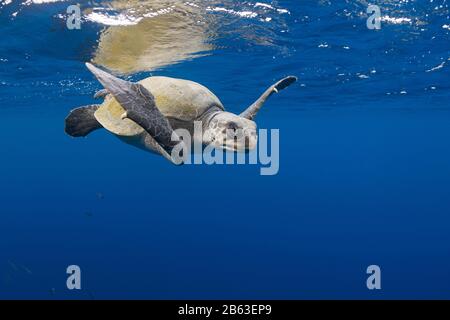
(81, 121)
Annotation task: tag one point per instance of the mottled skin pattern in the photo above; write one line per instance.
(146, 114)
(228, 131)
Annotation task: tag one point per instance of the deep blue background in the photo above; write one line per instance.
(364, 174)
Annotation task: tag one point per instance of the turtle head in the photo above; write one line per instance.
(231, 132)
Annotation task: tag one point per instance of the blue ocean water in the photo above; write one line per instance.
(364, 158)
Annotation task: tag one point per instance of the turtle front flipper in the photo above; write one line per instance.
(253, 110)
(139, 105)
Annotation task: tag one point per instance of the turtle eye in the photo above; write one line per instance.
(233, 126)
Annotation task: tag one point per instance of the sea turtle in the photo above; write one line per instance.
(147, 113)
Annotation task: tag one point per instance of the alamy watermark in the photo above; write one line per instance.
(374, 20)
(74, 280)
(74, 17)
(234, 147)
(374, 280)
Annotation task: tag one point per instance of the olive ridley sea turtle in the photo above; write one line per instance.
(147, 113)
